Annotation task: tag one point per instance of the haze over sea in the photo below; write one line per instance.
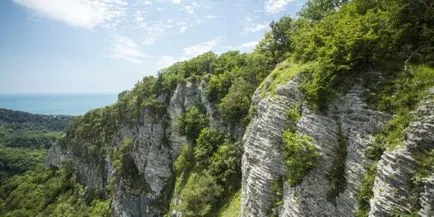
(56, 104)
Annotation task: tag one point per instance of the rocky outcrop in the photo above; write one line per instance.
(347, 116)
(146, 191)
(392, 187)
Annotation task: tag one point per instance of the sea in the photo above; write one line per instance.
(56, 104)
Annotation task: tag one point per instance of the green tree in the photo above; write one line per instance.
(235, 105)
(206, 144)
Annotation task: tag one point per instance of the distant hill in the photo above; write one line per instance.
(24, 139)
(51, 122)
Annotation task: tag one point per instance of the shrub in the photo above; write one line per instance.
(236, 104)
(365, 192)
(184, 160)
(225, 166)
(199, 196)
(192, 123)
(299, 156)
(207, 143)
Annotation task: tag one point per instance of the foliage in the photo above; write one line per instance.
(199, 196)
(284, 72)
(232, 207)
(277, 196)
(217, 162)
(184, 160)
(24, 138)
(50, 193)
(15, 161)
(361, 34)
(277, 42)
(192, 123)
(236, 104)
(399, 96)
(225, 166)
(119, 157)
(294, 114)
(336, 176)
(365, 192)
(299, 155)
(207, 143)
(316, 10)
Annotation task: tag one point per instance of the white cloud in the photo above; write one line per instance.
(154, 31)
(164, 61)
(126, 49)
(191, 8)
(175, 1)
(275, 6)
(148, 3)
(244, 47)
(202, 47)
(256, 27)
(183, 29)
(211, 16)
(79, 13)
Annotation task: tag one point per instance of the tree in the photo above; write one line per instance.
(316, 10)
(277, 42)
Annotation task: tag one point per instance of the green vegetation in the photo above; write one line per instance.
(277, 196)
(14, 161)
(299, 156)
(209, 174)
(47, 192)
(294, 114)
(336, 176)
(365, 192)
(24, 138)
(192, 123)
(332, 44)
(424, 169)
(236, 104)
(399, 95)
(284, 72)
(232, 207)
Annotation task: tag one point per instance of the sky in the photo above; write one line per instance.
(106, 46)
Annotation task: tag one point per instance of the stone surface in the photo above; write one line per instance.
(392, 187)
(262, 162)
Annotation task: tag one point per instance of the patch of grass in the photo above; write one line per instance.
(284, 72)
(398, 95)
(294, 114)
(390, 137)
(232, 206)
(365, 192)
(424, 169)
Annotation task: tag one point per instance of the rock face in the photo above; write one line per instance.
(148, 190)
(347, 116)
(392, 186)
(156, 145)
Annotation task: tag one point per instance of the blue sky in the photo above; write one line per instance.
(106, 46)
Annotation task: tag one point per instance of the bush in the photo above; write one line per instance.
(226, 166)
(365, 192)
(236, 104)
(207, 143)
(192, 123)
(299, 156)
(184, 160)
(199, 196)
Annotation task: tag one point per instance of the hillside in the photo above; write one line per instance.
(330, 115)
(24, 139)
